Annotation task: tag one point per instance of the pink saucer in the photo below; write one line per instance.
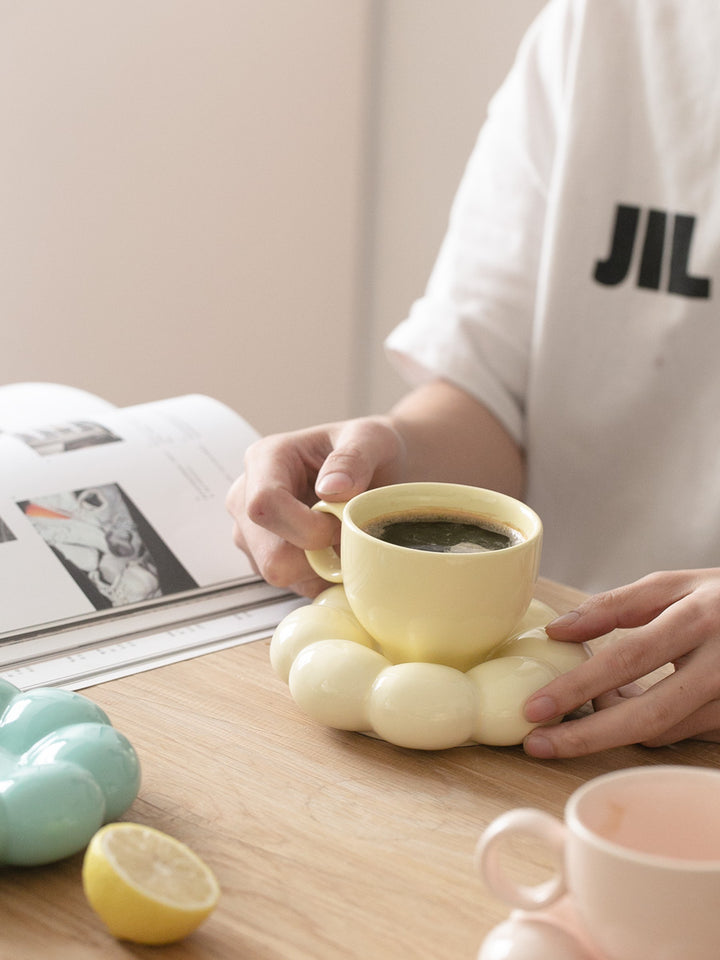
(554, 933)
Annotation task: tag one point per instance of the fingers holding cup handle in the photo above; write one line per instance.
(326, 562)
(522, 823)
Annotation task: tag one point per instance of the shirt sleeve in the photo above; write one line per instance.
(474, 325)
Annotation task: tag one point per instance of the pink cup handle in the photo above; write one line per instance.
(521, 823)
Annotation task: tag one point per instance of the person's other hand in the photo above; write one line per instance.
(674, 618)
(286, 473)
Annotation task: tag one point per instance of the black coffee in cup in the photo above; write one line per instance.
(440, 531)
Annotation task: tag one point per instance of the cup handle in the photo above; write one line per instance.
(523, 822)
(326, 562)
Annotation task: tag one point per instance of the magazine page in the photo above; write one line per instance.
(26, 404)
(123, 508)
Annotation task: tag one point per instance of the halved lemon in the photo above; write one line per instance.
(147, 886)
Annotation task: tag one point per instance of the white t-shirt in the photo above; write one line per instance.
(575, 293)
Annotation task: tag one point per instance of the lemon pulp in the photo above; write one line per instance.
(145, 885)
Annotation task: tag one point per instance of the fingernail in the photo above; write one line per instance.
(334, 484)
(541, 709)
(565, 620)
(537, 745)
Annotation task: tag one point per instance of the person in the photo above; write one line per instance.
(565, 351)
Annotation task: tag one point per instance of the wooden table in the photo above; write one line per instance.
(328, 845)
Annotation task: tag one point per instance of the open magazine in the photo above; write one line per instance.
(116, 551)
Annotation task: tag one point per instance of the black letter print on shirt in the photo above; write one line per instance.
(615, 268)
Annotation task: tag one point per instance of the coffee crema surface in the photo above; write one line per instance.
(443, 531)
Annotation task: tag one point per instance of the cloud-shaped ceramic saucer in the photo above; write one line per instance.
(64, 771)
(338, 677)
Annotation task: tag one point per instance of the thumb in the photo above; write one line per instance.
(362, 449)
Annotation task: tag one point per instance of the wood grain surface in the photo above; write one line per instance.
(327, 845)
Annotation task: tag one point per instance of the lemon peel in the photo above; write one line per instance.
(146, 886)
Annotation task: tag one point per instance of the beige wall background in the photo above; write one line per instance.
(237, 197)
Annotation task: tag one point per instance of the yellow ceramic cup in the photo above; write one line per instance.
(449, 608)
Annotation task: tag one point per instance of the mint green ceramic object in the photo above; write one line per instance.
(64, 772)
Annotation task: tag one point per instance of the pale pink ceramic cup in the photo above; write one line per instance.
(640, 858)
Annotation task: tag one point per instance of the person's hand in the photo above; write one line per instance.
(286, 473)
(675, 618)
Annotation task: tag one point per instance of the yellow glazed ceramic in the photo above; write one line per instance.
(442, 608)
(339, 678)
